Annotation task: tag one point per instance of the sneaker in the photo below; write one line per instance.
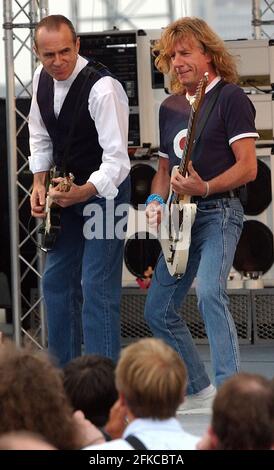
(199, 403)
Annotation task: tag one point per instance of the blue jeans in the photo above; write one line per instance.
(82, 281)
(215, 234)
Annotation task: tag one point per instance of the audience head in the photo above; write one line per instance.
(90, 385)
(151, 379)
(24, 440)
(243, 413)
(32, 397)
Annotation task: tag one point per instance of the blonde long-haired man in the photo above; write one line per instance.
(223, 160)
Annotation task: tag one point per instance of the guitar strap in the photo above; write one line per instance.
(209, 108)
(89, 71)
(242, 190)
(135, 442)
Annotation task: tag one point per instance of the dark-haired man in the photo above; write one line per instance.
(83, 270)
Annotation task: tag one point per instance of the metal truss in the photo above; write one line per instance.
(120, 14)
(263, 23)
(20, 18)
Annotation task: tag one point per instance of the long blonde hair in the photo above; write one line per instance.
(193, 28)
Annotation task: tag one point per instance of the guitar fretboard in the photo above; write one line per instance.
(195, 107)
(184, 161)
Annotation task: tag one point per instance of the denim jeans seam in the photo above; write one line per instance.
(166, 313)
(197, 379)
(107, 329)
(227, 314)
(73, 280)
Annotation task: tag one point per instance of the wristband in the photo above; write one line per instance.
(155, 197)
(207, 190)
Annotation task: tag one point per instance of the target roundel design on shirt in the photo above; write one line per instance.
(179, 143)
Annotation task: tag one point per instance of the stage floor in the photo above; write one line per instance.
(257, 359)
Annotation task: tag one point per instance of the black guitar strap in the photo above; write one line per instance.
(209, 108)
(135, 442)
(242, 190)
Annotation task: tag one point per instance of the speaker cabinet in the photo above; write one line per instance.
(141, 245)
(254, 255)
(254, 60)
(128, 55)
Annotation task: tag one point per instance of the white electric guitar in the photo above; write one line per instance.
(179, 213)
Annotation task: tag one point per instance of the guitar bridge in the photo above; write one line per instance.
(171, 251)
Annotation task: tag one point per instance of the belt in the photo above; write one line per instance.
(227, 194)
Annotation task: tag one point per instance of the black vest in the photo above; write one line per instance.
(85, 152)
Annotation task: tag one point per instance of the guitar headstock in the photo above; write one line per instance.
(200, 92)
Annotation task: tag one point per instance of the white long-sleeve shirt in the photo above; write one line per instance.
(154, 434)
(108, 107)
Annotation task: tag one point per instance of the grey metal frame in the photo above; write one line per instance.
(115, 13)
(31, 11)
(259, 15)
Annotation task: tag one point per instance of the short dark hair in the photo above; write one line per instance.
(90, 385)
(54, 22)
(243, 413)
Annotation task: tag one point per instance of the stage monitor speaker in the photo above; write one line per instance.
(254, 255)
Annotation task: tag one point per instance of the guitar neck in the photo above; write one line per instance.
(189, 143)
(195, 108)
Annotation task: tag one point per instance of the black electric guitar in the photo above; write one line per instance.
(51, 225)
(179, 213)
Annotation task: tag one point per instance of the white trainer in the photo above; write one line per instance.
(199, 403)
